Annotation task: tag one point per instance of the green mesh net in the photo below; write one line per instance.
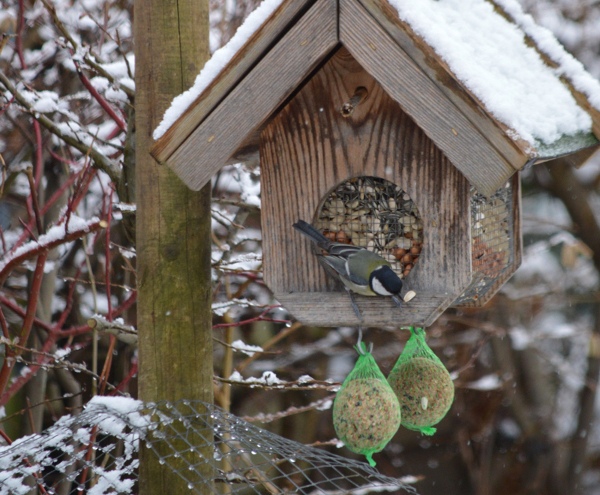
(422, 384)
(366, 412)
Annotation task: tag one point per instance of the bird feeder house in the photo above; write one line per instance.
(365, 128)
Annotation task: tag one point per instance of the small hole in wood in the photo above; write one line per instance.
(375, 214)
(359, 96)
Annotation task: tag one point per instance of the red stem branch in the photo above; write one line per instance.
(59, 192)
(28, 254)
(36, 283)
(127, 379)
(107, 364)
(4, 325)
(69, 303)
(20, 34)
(98, 97)
(33, 369)
(34, 202)
(107, 254)
(260, 317)
(7, 105)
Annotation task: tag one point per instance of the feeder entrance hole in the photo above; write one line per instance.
(375, 214)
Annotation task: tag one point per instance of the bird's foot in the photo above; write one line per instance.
(354, 306)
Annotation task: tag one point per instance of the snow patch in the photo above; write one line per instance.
(487, 382)
(489, 55)
(215, 65)
(250, 350)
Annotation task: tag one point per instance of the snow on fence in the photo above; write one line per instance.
(96, 452)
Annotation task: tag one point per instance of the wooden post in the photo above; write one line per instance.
(173, 229)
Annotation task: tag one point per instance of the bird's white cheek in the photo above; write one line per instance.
(379, 288)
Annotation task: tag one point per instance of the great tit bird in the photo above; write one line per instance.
(359, 269)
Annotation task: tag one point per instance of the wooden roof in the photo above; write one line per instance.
(224, 123)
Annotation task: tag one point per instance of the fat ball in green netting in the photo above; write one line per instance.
(422, 384)
(366, 412)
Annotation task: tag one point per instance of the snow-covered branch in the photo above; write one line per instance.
(57, 235)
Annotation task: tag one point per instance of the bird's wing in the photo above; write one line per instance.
(343, 250)
(339, 265)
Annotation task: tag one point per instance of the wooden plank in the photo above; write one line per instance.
(309, 148)
(516, 153)
(173, 226)
(242, 62)
(416, 93)
(273, 79)
(333, 309)
(583, 102)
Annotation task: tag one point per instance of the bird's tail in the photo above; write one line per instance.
(313, 234)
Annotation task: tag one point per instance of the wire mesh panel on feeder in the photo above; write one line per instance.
(375, 214)
(495, 240)
(422, 384)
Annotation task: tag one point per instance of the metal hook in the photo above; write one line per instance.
(359, 342)
(359, 346)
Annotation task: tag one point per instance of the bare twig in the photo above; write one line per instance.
(4, 325)
(34, 201)
(98, 97)
(97, 67)
(9, 361)
(20, 34)
(267, 418)
(57, 194)
(132, 372)
(124, 333)
(284, 333)
(107, 254)
(107, 364)
(100, 161)
(31, 421)
(47, 401)
(297, 385)
(44, 246)
(260, 317)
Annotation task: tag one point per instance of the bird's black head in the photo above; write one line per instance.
(385, 282)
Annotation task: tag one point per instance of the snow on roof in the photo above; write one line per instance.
(215, 65)
(545, 40)
(484, 50)
(489, 55)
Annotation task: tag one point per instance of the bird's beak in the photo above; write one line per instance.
(398, 300)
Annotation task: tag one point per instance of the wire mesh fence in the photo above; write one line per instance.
(375, 214)
(96, 452)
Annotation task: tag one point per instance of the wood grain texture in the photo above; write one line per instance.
(516, 153)
(273, 79)
(174, 316)
(517, 250)
(243, 61)
(309, 148)
(406, 83)
(333, 309)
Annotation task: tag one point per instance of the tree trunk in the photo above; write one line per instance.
(565, 186)
(173, 229)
